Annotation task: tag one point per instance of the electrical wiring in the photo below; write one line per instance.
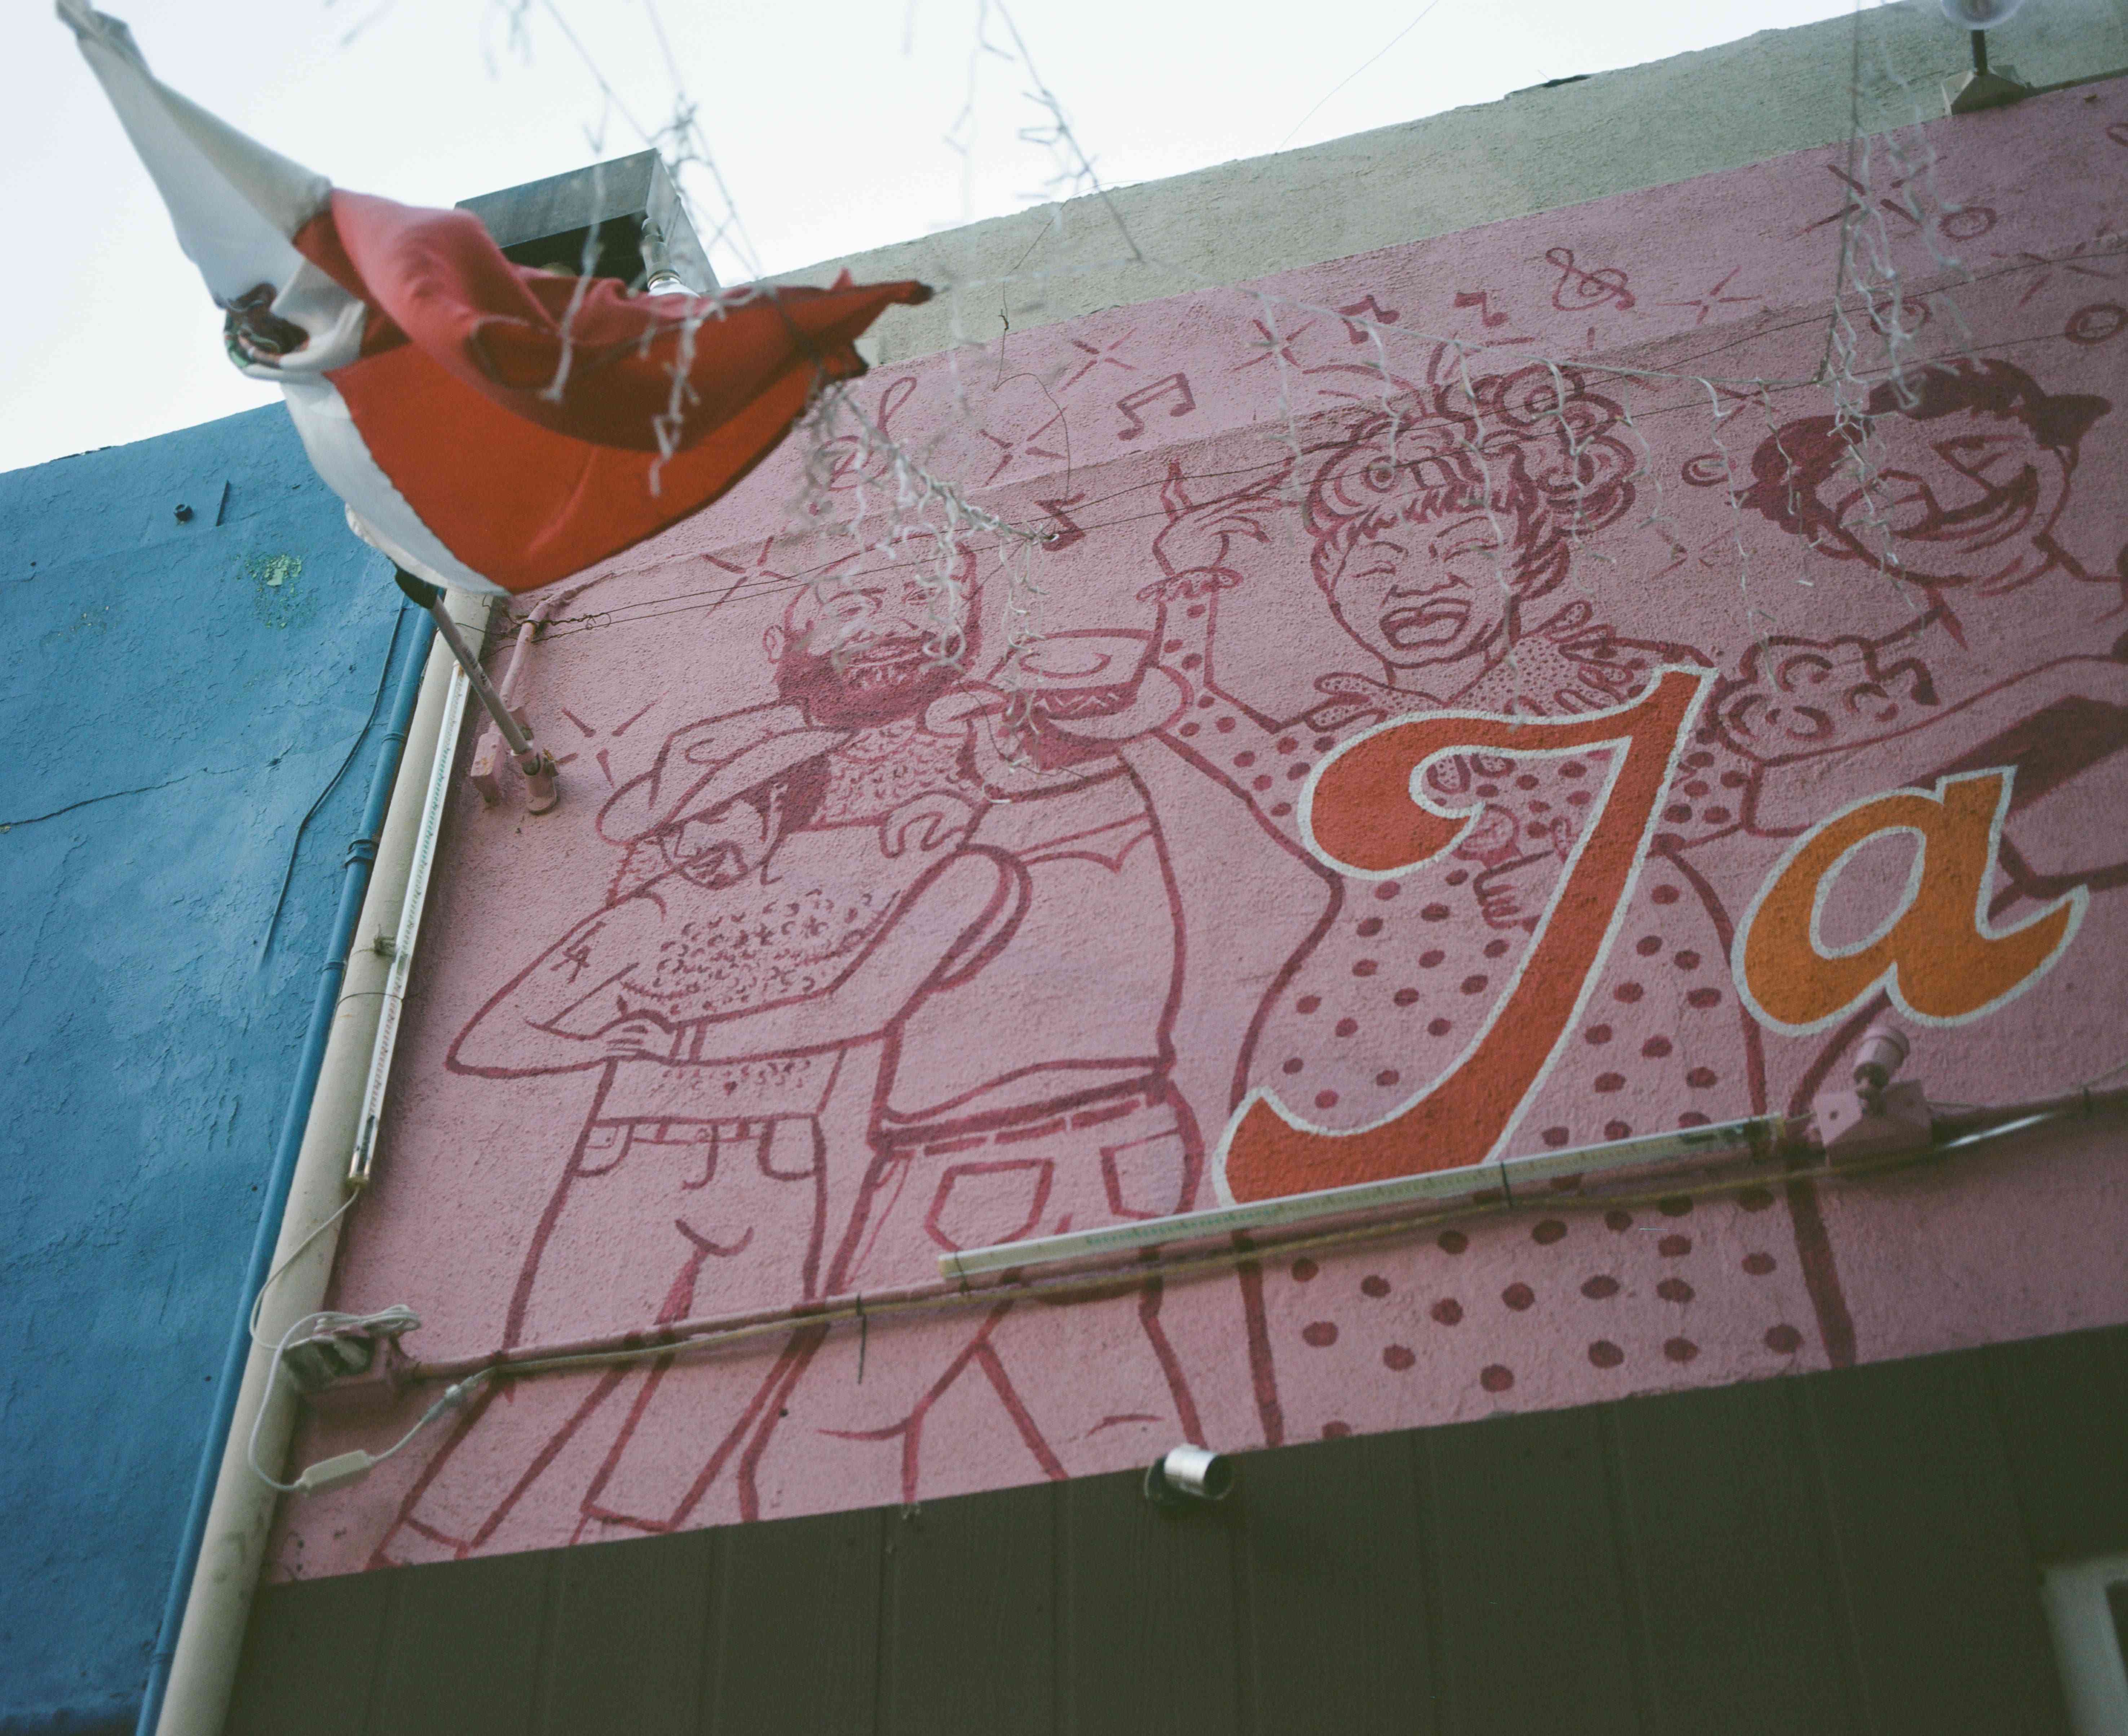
(353, 747)
(678, 1339)
(1762, 393)
(1867, 273)
(301, 1248)
(2022, 1124)
(346, 1467)
(920, 502)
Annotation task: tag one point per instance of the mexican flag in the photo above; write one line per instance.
(489, 426)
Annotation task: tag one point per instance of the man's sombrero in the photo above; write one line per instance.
(745, 771)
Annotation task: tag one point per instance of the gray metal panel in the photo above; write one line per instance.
(1827, 1553)
(545, 222)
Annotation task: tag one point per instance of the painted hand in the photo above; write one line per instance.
(925, 823)
(639, 1037)
(1360, 699)
(1195, 547)
(1513, 895)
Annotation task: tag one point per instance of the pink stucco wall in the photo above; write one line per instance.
(997, 951)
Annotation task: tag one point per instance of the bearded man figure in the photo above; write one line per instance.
(776, 862)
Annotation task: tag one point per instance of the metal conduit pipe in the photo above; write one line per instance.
(194, 1670)
(1953, 1124)
(391, 1003)
(1079, 1272)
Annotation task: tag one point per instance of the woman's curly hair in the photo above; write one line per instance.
(1536, 446)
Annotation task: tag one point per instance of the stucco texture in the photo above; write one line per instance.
(840, 953)
(175, 695)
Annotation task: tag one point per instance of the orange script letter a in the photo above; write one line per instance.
(1940, 958)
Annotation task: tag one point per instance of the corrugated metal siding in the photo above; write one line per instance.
(1855, 1551)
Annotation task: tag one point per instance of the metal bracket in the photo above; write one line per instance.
(535, 763)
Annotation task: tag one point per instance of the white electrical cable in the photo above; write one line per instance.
(346, 1467)
(1985, 1134)
(301, 1248)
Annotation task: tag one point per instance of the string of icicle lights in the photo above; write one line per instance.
(906, 517)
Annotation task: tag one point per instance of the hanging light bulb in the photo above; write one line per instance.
(1980, 14)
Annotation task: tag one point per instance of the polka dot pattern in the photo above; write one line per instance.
(1526, 1310)
(1577, 1304)
(1662, 1044)
(1412, 968)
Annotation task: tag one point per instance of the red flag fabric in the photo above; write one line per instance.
(488, 426)
(519, 413)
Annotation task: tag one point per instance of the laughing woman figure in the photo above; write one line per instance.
(1437, 534)
(1437, 540)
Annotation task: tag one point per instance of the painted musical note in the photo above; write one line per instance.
(1068, 531)
(1580, 288)
(1175, 385)
(1476, 298)
(1368, 309)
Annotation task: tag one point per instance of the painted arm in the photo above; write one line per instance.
(1021, 746)
(565, 1011)
(1259, 759)
(1793, 794)
(689, 755)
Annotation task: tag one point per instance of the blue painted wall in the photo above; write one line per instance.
(174, 695)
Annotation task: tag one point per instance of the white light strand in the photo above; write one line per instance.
(920, 509)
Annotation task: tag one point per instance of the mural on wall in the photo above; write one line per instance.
(1415, 753)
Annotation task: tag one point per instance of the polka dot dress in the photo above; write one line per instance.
(1529, 1311)
(1414, 967)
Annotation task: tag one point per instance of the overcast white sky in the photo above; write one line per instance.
(828, 120)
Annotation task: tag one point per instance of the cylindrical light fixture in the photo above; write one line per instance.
(1185, 1476)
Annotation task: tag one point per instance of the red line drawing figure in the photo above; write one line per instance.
(1960, 483)
(829, 909)
(1436, 534)
(817, 880)
(1435, 537)
(1578, 289)
(1971, 477)
(1961, 493)
(1087, 1116)
(1966, 486)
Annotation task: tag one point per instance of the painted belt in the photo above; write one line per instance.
(1039, 1120)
